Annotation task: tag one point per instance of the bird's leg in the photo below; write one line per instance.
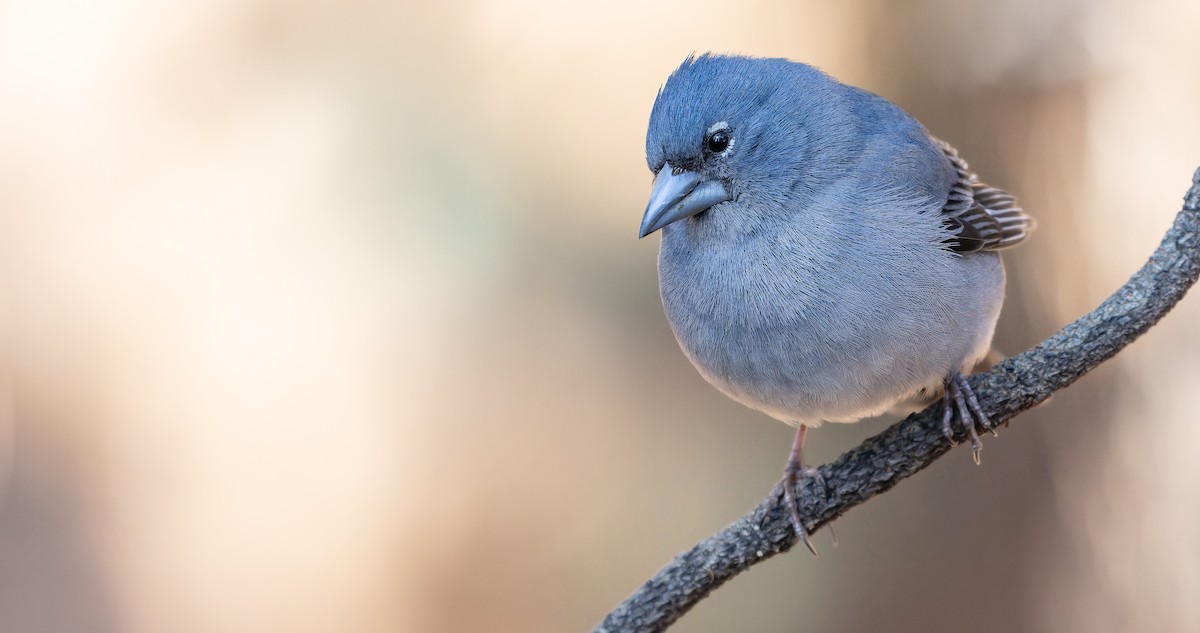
(792, 473)
(959, 397)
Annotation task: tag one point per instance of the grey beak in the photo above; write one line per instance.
(677, 196)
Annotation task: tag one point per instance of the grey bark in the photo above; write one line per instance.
(882, 461)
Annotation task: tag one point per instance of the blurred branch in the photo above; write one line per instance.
(914, 443)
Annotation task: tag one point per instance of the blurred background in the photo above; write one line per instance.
(330, 316)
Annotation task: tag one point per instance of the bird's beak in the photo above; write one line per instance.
(677, 196)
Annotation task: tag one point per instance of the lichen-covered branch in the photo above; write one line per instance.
(914, 443)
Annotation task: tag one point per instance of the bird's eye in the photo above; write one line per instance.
(718, 141)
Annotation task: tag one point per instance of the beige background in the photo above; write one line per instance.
(330, 316)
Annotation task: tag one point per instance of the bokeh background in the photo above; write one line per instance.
(330, 316)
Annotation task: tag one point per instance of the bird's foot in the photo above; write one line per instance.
(785, 492)
(959, 397)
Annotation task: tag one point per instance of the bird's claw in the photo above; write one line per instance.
(958, 397)
(786, 488)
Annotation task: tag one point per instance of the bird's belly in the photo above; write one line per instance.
(793, 376)
(808, 366)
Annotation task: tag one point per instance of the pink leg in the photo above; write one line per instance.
(792, 473)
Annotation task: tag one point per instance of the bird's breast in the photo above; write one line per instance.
(810, 338)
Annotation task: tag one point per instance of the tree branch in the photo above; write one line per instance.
(914, 443)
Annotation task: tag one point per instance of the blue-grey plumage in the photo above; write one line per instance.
(823, 257)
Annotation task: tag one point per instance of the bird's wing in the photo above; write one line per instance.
(981, 218)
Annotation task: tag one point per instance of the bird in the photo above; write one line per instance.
(824, 257)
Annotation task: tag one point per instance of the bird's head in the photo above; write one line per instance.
(726, 126)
